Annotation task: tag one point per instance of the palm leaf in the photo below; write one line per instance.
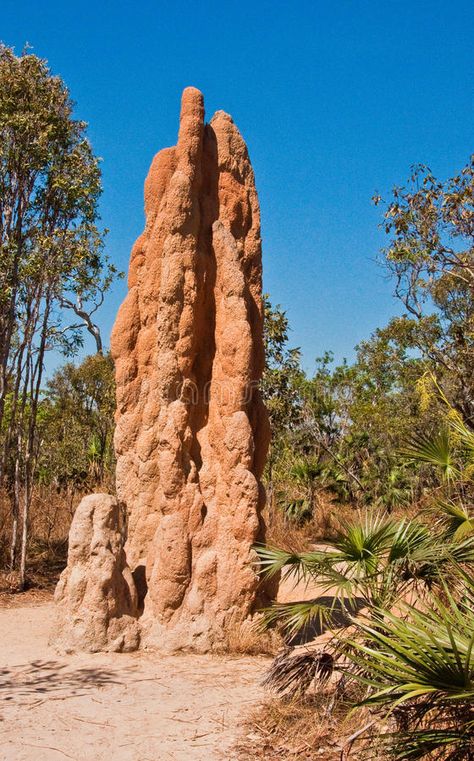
(434, 450)
(409, 536)
(302, 565)
(456, 520)
(296, 617)
(407, 660)
(448, 743)
(466, 436)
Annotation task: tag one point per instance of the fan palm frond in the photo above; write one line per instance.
(409, 536)
(455, 519)
(434, 450)
(296, 617)
(459, 552)
(465, 435)
(305, 471)
(408, 659)
(446, 744)
(302, 565)
(421, 662)
(361, 544)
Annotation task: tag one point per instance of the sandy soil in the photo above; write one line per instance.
(129, 707)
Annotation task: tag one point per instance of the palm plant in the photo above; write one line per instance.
(306, 471)
(396, 490)
(454, 518)
(371, 563)
(297, 510)
(339, 483)
(434, 449)
(304, 475)
(450, 449)
(418, 667)
(451, 452)
(415, 660)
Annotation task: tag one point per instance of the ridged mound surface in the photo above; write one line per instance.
(192, 432)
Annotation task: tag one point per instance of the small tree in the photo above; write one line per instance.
(51, 258)
(280, 385)
(431, 256)
(77, 422)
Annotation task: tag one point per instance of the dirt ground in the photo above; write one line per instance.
(129, 707)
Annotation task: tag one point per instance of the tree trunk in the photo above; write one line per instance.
(30, 458)
(24, 533)
(15, 518)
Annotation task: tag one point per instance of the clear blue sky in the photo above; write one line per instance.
(335, 99)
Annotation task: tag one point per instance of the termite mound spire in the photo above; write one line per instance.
(192, 431)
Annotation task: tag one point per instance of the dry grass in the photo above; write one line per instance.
(13, 599)
(247, 638)
(302, 729)
(329, 516)
(50, 519)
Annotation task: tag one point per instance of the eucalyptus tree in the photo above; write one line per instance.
(280, 387)
(431, 257)
(77, 422)
(53, 271)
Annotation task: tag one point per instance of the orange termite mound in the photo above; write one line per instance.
(192, 431)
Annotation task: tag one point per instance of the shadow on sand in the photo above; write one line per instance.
(40, 678)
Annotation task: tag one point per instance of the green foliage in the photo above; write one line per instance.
(451, 452)
(455, 519)
(434, 449)
(53, 270)
(352, 421)
(282, 373)
(374, 561)
(77, 421)
(50, 187)
(355, 419)
(431, 256)
(415, 661)
(419, 665)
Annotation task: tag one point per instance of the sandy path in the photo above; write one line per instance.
(132, 707)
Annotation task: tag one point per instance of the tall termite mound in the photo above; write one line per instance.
(192, 431)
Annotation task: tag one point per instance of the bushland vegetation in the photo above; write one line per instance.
(392, 435)
(53, 277)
